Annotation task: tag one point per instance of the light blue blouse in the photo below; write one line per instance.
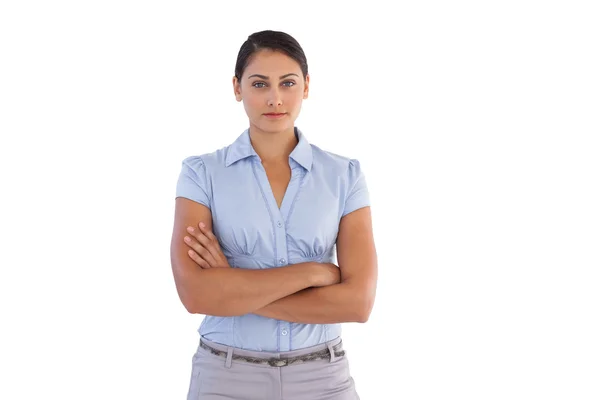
(255, 233)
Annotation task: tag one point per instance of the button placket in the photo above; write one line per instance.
(280, 223)
(285, 334)
(281, 241)
(275, 212)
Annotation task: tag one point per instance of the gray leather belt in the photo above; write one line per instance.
(280, 362)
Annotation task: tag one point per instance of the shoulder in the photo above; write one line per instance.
(333, 162)
(208, 162)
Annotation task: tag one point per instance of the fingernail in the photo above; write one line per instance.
(190, 229)
(187, 239)
(202, 225)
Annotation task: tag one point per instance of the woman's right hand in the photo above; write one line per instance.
(326, 274)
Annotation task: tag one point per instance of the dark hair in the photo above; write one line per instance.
(273, 40)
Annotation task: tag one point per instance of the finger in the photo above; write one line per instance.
(199, 236)
(212, 244)
(207, 232)
(201, 251)
(198, 260)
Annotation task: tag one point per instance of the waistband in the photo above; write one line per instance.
(269, 354)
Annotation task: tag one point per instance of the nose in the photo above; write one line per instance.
(274, 98)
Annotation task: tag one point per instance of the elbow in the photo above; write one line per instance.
(362, 317)
(364, 309)
(186, 299)
(190, 305)
(191, 310)
(209, 304)
(214, 308)
(195, 304)
(361, 300)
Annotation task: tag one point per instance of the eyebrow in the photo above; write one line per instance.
(267, 78)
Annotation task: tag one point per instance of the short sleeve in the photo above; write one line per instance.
(358, 193)
(192, 183)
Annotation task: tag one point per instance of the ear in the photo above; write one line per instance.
(305, 95)
(237, 89)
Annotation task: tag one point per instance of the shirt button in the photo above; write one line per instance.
(282, 261)
(279, 224)
(284, 332)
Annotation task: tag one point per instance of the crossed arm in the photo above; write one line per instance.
(286, 293)
(352, 299)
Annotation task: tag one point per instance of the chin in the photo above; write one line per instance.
(275, 126)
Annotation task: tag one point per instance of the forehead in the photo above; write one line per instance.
(271, 63)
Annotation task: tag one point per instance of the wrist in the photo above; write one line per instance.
(309, 273)
(315, 273)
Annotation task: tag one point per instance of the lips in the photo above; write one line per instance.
(274, 115)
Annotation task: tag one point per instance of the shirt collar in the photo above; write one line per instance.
(242, 148)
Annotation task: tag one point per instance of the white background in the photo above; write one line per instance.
(476, 123)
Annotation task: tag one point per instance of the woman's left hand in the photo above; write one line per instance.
(205, 248)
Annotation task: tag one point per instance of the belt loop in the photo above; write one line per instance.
(229, 357)
(331, 352)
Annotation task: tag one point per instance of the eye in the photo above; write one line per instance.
(258, 83)
(291, 82)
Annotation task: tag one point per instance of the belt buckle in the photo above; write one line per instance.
(275, 362)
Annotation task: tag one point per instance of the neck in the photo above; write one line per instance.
(273, 147)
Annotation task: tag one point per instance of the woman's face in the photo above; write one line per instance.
(271, 83)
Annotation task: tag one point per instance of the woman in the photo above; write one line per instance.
(252, 249)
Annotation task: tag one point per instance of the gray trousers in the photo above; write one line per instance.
(216, 377)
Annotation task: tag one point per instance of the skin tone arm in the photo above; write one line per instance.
(232, 291)
(351, 300)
